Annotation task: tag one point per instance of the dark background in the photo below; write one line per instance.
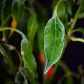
(74, 52)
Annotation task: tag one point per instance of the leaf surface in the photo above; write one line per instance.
(29, 61)
(31, 27)
(53, 40)
(18, 10)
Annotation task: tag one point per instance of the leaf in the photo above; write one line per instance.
(53, 40)
(81, 30)
(29, 61)
(8, 57)
(31, 27)
(18, 10)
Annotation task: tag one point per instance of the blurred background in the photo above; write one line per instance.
(74, 53)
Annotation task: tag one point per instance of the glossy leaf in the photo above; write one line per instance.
(53, 40)
(18, 10)
(31, 27)
(29, 61)
(9, 59)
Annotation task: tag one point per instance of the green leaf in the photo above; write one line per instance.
(29, 61)
(18, 10)
(6, 53)
(28, 58)
(31, 27)
(53, 40)
(81, 30)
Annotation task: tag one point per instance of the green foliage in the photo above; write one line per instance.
(6, 53)
(53, 40)
(18, 10)
(31, 26)
(27, 57)
(29, 61)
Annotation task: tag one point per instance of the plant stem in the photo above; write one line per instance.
(66, 16)
(77, 14)
(9, 28)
